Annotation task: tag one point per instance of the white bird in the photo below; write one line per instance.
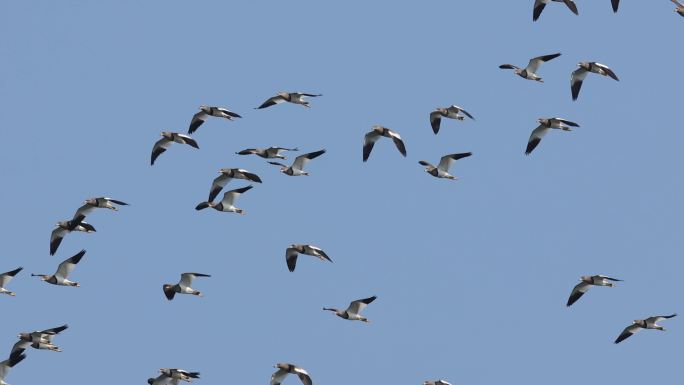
(545, 125)
(378, 132)
(165, 142)
(227, 204)
(580, 74)
(6, 365)
(292, 97)
(267, 153)
(89, 205)
(284, 369)
(451, 112)
(226, 175)
(648, 323)
(442, 169)
(297, 167)
(586, 282)
(5, 278)
(63, 271)
(437, 382)
(205, 112)
(183, 287)
(39, 339)
(294, 250)
(62, 228)
(352, 312)
(680, 7)
(530, 72)
(540, 4)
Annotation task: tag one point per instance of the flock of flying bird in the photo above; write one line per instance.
(42, 340)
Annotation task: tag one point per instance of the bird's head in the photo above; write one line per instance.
(283, 94)
(240, 211)
(166, 135)
(585, 278)
(24, 336)
(543, 121)
(91, 201)
(204, 108)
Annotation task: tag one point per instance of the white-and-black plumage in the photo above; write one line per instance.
(352, 312)
(545, 125)
(184, 286)
(165, 142)
(5, 279)
(291, 97)
(205, 112)
(680, 7)
(540, 4)
(530, 72)
(648, 323)
(586, 282)
(294, 250)
(173, 376)
(63, 270)
(63, 228)
(284, 369)
(39, 339)
(5, 366)
(436, 382)
(89, 205)
(585, 68)
(227, 204)
(226, 175)
(442, 169)
(297, 167)
(451, 112)
(378, 132)
(267, 153)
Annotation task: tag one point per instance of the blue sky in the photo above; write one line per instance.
(471, 276)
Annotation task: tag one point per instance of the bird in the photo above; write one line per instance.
(226, 175)
(294, 250)
(530, 72)
(179, 374)
(89, 205)
(292, 97)
(544, 126)
(442, 169)
(267, 153)
(376, 133)
(205, 112)
(62, 228)
(5, 366)
(227, 204)
(284, 369)
(580, 74)
(352, 312)
(5, 278)
(540, 4)
(586, 282)
(183, 287)
(680, 7)
(616, 4)
(437, 382)
(63, 271)
(297, 167)
(451, 112)
(39, 339)
(167, 138)
(648, 323)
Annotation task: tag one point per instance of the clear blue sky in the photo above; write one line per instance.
(471, 276)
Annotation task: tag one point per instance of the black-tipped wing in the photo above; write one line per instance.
(573, 7)
(534, 63)
(398, 142)
(628, 332)
(197, 120)
(356, 306)
(304, 377)
(159, 147)
(608, 71)
(5, 278)
(435, 121)
(291, 258)
(189, 141)
(577, 292)
(658, 318)
(446, 161)
(247, 151)
(537, 10)
(576, 81)
(56, 330)
(56, 239)
(616, 4)
(569, 123)
(368, 143)
(272, 102)
(117, 202)
(536, 137)
(509, 67)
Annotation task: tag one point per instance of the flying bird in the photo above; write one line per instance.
(352, 312)
(5, 278)
(284, 369)
(267, 153)
(442, 169)
(179, 374)
(12, 361)
(294, 250)
(227, 204)
(297, 167)
(183, 287)
(680, 7)
(89, 205)
(451, 112)
(648, 323)
(544, 126)
(63, 271)
(580, 74)
(530, 72)
(586, 282)
(38, 339)
(437, 382)
(206, 112)
(63, 228)
(540, 4)
(292, 97)
(378, 132)
(226, 175)
(165, 142)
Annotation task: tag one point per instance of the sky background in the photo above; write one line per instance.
(471, 276)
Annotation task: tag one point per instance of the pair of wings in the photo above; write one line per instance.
(540, 4)
(355, 307)
(632, 329)
(436, 116)
(199, 118)
(291, 255)
(278, 377)
(302, 160)
(446, 161)
(38, 336)
(580, 74)
(541, 131)
(164, 143)
(373, 136)
(533, 64)
(582, 287)
(272, 101)
(222, 180)
(59, 232)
